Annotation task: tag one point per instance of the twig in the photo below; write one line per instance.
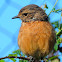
(53, 57)
(59, 33)
(15, 57)
(53, 7)
(59, 21)
(57, 10)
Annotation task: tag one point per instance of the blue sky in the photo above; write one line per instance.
(9, 28)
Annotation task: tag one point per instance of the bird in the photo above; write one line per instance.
(37, 36)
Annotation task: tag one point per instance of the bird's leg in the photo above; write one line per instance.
(31, 59)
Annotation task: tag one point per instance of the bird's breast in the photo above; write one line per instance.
(36, 38)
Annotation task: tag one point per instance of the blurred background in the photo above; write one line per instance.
(9, 28)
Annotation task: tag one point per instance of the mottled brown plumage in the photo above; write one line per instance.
(36, 36)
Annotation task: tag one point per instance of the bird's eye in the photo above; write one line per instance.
(25, 14)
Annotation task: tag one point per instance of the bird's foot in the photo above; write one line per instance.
(31, 59)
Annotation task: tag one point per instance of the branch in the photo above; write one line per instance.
(57, 10)
(59, 33)
(53, 57)
(15, 57)
(53, 7)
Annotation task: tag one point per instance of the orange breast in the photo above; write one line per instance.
(36, 38)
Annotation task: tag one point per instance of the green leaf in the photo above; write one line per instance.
(57, 11)
(23, 60)
(60, 25)
(2, 61)
(17, 52)
(12, 55)
(59, 40)
(14, 60)
(56, 47)
(56, 24)
(20, 61)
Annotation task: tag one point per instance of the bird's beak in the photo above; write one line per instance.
(15, 17)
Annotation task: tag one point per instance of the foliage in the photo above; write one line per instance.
(2, 60)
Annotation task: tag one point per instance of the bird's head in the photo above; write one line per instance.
(32, 13)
